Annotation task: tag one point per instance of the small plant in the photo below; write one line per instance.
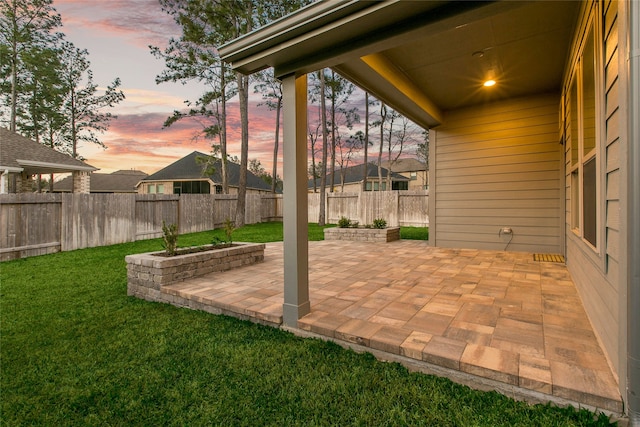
(170, 238)
(344, 222)
(354, 224)
(228, 230)
(379, 223)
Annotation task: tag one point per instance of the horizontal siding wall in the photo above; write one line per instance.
(597, 274)
(499, 165)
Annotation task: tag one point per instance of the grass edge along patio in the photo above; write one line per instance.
(76, 349)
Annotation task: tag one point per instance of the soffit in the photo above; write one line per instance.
(429, 47)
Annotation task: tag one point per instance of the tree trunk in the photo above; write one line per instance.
(333, 131)
(274, 175)
(383, 118)
(243, 94)
(223, 131)
(366, 141)
(323, 172)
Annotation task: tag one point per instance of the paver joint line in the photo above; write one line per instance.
(496, 315)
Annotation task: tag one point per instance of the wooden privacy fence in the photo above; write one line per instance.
(408, 208)
(36, 224)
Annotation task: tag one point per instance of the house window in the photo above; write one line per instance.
(218, 189)
(191, 187)
(376, 186)
(413, 175)
(400, 185)
(583, 149)
(151, 189)
(160, 189)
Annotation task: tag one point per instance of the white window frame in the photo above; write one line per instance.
(577, 223)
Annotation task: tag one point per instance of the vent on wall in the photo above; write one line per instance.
(548, 258)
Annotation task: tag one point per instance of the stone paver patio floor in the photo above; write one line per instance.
(495, 315)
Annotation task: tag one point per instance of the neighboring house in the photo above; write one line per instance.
(122, 181)
(413, 169)
(185, 176)
(551, 150)
(352, 179)
(22, 158)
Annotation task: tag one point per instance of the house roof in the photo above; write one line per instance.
(20, 154)
(122, 181)
(406, 165)
(422, 58)
(188, 168)
(353, 174)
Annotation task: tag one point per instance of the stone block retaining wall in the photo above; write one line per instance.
(363, 234)
(148, 273)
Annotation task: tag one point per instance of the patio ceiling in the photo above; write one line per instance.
(422, 58)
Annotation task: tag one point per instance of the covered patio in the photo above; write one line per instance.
(489, 319)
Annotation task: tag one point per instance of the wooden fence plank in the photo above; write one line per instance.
(34, 224)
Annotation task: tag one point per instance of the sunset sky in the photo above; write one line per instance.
(117, 34)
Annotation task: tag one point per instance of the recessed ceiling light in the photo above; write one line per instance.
(489, 83)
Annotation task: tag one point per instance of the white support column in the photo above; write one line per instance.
(296, 245)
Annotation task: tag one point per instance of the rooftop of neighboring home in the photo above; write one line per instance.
(191, 167)
(353, 174)
(122, 181)
(21, 154)
(405, 165)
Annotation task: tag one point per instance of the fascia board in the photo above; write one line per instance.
(55, 166)
(11, 169)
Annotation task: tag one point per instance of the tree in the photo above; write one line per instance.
(422, 150)
(380, 123)
(256, 168)
(352, 145)
(316, 167)
(271, 90)
(340, 89)
(24, 25)
(83, 107)
(42, 118)
(323, 176)
(206, 26)
(47, 82)
(194, 57)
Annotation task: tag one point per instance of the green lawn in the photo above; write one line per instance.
(75, 350)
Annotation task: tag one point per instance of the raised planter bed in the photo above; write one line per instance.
(388, 234)
(148, 272)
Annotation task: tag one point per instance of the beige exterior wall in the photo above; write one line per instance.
(167, 188)
(420, 181)
(600, 272)
(498, 165)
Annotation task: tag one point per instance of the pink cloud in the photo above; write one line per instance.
(142, 21)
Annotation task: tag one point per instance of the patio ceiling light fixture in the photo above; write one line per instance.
(489, 83)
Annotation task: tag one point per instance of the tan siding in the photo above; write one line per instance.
(596, 273)
(498, 166)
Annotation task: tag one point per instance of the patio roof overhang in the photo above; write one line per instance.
(422, 58)
(32, 167)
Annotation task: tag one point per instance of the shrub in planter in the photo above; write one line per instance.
(170, 238)
(344, 222)
(379, 223)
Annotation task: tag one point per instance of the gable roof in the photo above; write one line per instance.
(187, 168)
(122, 181)
(20, 154)
(353, 174)
(406, 165)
